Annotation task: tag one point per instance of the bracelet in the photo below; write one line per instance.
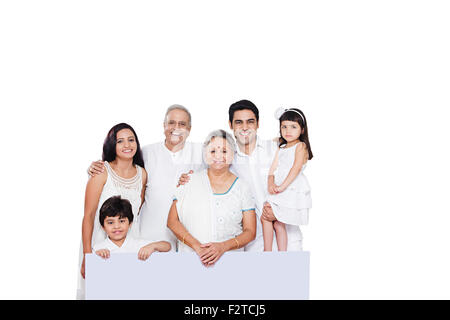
(237, 242)
(185, 236)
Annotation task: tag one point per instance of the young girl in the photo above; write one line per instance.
(289, 191)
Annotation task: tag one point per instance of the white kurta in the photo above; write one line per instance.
(130, 245)
(164, 169)
(209, 216)
(254, 169)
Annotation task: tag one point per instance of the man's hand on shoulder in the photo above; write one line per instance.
(184, 178)
(96, 167)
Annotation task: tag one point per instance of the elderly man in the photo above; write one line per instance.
(165, 161)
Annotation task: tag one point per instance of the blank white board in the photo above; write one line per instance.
(181, 276)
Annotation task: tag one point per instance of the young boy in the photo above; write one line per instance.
(116, 217)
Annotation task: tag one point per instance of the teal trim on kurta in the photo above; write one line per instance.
(221, 194)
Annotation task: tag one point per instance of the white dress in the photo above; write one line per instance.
(115, 185)
(292, 205)
(253, 169)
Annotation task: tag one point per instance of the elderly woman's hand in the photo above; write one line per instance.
(213, 251)
(200, 250)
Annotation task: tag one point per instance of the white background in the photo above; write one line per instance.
(372, 77)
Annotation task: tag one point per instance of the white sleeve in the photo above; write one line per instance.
(100, 245)
(145, 156)
(179, 192)
(247, 198)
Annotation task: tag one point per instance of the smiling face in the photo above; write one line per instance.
(126, 145)
(218, 154)
(116, 228)
(244, 126)
(290, 130)
(176, 127)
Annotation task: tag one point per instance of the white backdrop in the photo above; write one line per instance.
(371, 76)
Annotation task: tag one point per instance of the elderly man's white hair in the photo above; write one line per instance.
(178, 107)
(219, 134)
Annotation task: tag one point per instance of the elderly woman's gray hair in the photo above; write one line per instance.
(219, 134)
(178, 107)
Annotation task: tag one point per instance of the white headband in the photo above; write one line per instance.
(280, 111)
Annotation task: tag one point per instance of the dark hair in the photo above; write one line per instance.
(292, 115)
(242, 105)
(109, 146)
(116, 206)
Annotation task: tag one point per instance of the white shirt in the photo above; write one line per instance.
(130, 245)
(164, 168)
(254, 169)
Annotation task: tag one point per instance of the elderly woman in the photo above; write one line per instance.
(215, 211)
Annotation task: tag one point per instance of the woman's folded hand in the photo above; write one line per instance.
(212, 252)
